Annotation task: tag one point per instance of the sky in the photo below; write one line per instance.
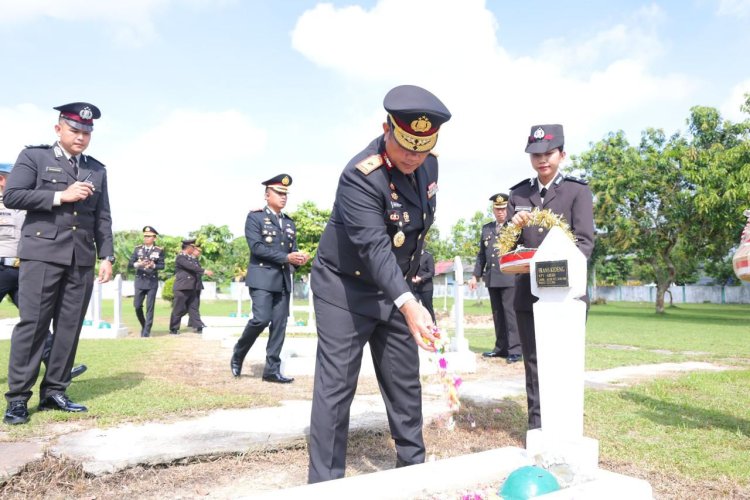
(202, 100)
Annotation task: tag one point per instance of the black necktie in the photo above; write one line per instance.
(543, 192)
(413, 181)
(74, 164)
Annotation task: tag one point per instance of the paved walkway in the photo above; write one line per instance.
(237, 431)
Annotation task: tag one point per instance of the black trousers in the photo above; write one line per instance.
(507, 339)
(9, 283)
(528, 344)
(342, 336)
(180, 306)
(269, 308)
(48, 293)
(148, 320)
(194, 312)
(425, 297)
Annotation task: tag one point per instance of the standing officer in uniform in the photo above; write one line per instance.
(68, 222)
(422, 282)
(187, 273)
(272, 238)
(501, 287)
(147, 260)
(563, 195)
(11, 222)
(361, 277)
(194, 311)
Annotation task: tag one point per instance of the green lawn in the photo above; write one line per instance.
(695, 424)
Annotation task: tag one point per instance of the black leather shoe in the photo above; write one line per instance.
(17, 413)
(199, 330)
(78, 370)
(60, 402)
(495, 354)
(174, 332)
(236, 365)
(513, 358)
(277, 378)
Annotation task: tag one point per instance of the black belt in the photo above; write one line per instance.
(10, 261)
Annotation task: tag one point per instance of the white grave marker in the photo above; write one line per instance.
(558, 278)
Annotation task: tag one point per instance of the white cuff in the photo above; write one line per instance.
(401, 300)
(57, 200)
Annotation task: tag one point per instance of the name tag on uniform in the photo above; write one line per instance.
(523, 209)
(54, 169)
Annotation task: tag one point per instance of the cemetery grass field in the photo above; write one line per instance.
(694, 425)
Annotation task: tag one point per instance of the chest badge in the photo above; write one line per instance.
(398, 239)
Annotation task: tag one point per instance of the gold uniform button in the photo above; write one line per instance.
(357, 273)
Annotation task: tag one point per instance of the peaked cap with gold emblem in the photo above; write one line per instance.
(499, 200)
(280, 183)
(415, 116)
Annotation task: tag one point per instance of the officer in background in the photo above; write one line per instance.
(147, 260)
(11, 222)
(272, 238)
(187, 275)
(501, 287)
(361, 276)
(422, 282)
(564, 195)
(194, 311)
(68, 222)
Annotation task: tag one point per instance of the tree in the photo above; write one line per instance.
(465, 236)
(215, 243)
(671, 201)
(310, 222)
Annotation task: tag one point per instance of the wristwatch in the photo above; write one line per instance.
(110, 258)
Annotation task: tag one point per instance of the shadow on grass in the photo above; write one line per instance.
(93, 387)
(684, 415)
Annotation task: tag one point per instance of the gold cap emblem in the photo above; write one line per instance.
(285, 181)
(421, 124)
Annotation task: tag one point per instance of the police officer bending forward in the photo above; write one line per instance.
(369, 251)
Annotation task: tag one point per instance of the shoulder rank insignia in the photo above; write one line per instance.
(38, 146)
(369, 164)
(525, 181)
(576, 179)
(86, 158)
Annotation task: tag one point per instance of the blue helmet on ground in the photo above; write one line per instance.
(528, 482)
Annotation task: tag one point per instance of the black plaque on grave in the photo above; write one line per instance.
(552, 273)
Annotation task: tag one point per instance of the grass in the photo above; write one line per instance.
(695, 425)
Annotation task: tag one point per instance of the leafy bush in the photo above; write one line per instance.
(167, 293)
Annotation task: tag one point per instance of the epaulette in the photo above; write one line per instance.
(159, 248)
(576, 179)
(253, 210)
(525, 181)
(86, 158)
(39, 146)
(369, 164)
